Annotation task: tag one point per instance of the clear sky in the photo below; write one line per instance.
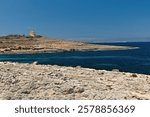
(100, 20)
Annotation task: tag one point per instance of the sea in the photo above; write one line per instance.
(132, 60)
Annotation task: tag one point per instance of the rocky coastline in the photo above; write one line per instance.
(20, 44)
(31, 81)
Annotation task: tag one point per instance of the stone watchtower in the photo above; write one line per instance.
(32, 34)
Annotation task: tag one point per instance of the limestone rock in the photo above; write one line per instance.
(32, 81)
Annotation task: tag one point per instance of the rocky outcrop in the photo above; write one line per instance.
(32, 81)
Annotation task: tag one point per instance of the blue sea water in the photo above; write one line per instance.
(135, 61)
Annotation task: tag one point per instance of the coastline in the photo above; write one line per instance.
(23, 45)
(32, 81)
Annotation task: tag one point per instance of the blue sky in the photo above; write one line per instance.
(89, 20)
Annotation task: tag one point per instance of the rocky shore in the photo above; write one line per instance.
(32, 81)
(17, 44)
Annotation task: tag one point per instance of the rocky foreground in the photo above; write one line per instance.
(31, 81)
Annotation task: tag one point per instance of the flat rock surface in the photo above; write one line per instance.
(31, 81)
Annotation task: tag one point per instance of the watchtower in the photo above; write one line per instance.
(32, 34)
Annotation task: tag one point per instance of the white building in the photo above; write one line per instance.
(32, 34)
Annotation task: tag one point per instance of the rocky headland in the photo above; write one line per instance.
(19, 44)
(32, 81)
